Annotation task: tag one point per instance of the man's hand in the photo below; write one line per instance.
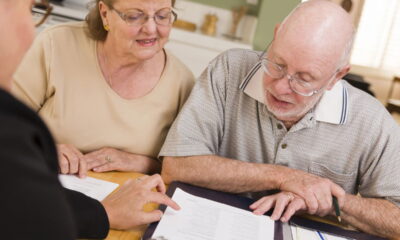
(285, 205)
(316, 191)
(71, 160)
(125, 207)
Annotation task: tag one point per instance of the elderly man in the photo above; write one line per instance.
(284, 120)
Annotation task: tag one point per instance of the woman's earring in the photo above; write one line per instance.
(106, 27)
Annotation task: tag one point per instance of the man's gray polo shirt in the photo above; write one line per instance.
(349, 137)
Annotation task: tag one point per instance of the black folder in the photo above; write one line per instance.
(244, 203)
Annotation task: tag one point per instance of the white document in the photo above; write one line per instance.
(300, 233)
(203, 219)
(92, 187)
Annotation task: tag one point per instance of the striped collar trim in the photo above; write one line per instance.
(332, 108)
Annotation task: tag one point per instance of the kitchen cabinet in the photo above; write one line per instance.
(197, 50)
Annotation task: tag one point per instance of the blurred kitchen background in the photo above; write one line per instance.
(209, 27)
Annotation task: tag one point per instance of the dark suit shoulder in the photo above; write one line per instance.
(32, 197)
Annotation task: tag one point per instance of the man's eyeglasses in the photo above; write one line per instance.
(164, 17)
(296, 83)
(41, 10)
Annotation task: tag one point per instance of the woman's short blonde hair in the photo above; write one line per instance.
(95, 23)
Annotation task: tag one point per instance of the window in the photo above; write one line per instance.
(377, 43)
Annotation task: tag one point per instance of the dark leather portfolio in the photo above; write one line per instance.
(282, 231)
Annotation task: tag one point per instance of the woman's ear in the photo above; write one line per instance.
(103, 10)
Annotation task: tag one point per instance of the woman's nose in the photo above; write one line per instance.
(150, 26)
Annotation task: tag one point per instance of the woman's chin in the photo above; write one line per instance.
(146, 54)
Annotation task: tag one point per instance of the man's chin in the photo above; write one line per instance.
(283, 115)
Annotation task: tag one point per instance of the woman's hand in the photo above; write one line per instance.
(125, 207)
(109, 159)
(71, 160)
(285, 205)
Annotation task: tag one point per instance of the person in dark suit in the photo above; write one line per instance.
(33, 203)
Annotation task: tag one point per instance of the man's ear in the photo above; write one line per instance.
(339, 75)
(276, 29)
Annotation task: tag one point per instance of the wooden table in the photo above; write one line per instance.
(137, 233)
(120, 178)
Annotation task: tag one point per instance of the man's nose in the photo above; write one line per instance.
(282, 85)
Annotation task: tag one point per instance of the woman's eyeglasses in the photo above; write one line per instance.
(164, 17)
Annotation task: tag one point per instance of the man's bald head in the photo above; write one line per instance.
(319, 25)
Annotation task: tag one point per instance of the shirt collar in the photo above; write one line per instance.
(332, 108)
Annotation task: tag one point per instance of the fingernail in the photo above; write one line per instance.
(95, 169)
(283, 219)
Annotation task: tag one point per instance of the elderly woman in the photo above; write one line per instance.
(32, 198)
(107, 88)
